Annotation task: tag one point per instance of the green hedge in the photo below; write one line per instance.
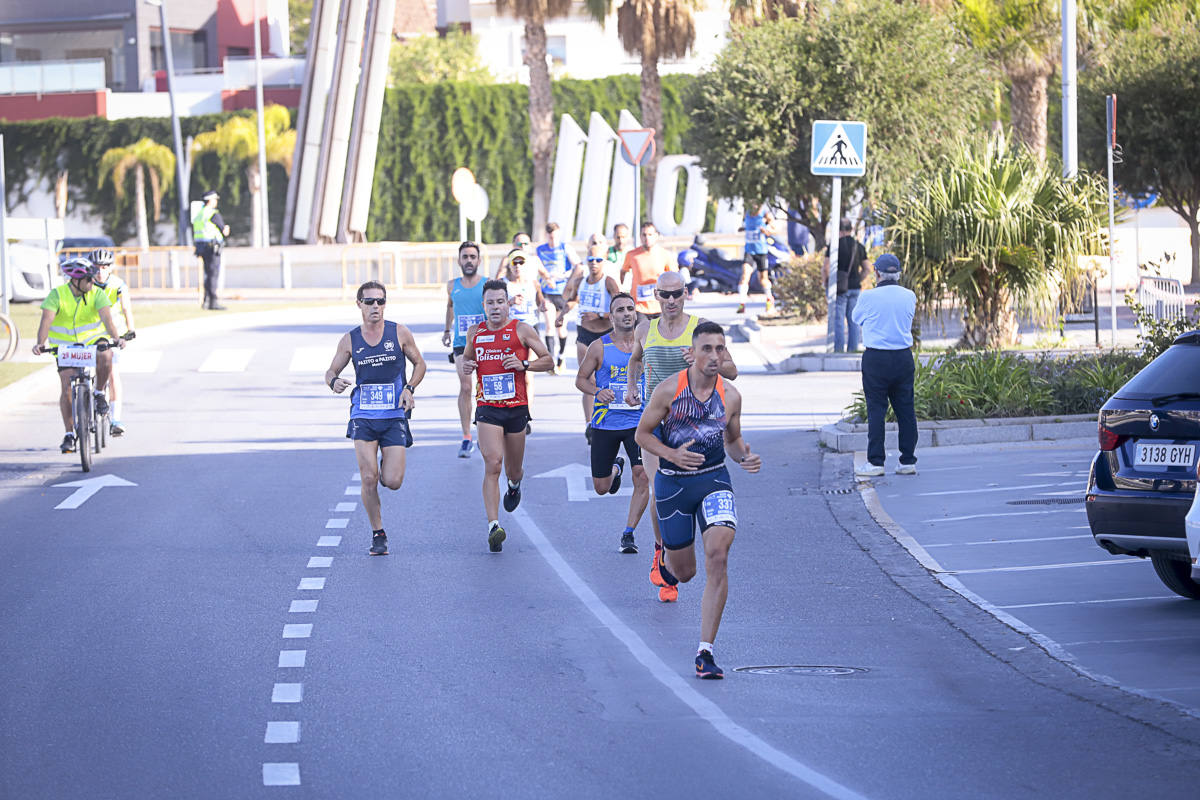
(425, 134)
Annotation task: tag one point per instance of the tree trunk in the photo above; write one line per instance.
(139, 184)
(541, 116)
(990, 321)
(60, 195)
(1194, 227)
(256, 220)
(1029, 108)
(651, 91)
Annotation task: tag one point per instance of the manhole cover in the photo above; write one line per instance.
(1048, 501)
(800, 669)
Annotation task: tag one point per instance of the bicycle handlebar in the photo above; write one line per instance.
(101, 345)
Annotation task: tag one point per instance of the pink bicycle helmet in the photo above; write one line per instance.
(79, 268)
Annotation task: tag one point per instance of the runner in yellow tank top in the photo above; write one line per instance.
(662, 348)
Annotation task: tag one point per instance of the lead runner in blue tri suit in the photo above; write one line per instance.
(559, 260)
(381, 401)
(692, 420)
(464, 308)
(602, 373)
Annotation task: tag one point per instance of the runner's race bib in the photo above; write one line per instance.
(377, 397)
(719, 509)
(619, 390)
(591, 302)
(646, 291)
(77, 356)
(499, 387)
(465, 321)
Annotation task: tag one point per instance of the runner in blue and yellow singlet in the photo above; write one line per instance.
(381, 401)
(464, 308)
(602, 372)
(691, 421)
(663, 348)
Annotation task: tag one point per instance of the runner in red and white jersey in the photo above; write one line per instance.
(498, 351)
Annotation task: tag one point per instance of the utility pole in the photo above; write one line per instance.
(1070, 106)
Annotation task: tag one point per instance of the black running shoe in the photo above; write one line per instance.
(68, 443)
(512, 499)
(379, 544)
(116, 429)
(627, 543)
(101, 403)
(559, 364)
(616, 481)
(707, 668)
(496, 537)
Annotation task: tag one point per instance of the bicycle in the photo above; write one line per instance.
(91, 427)
(10, 337)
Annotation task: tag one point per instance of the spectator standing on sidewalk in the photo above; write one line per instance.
(886, 315)
(851, 260)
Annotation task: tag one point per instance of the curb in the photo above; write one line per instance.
(874, 507)
(845, 437)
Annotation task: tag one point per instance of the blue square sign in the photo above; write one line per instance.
(839, 148)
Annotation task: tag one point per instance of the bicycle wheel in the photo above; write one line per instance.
(9, 338)
(81, 404)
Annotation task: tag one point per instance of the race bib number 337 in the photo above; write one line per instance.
(719, 509)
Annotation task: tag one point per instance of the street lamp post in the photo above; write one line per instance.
(265, 231)
(180, 175)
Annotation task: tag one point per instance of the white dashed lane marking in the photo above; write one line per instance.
(352, 490)
(303, 606)
(329, 541)
(320, 562)
(342, 508)
(227, 360)
(292, 658)
(281, 774)
(287, 693)
(311, 584)
(339, 522)
(297, 631)
(282, 733)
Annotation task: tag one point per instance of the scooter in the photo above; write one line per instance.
(713, 270)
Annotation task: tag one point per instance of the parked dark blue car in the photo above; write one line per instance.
(1144, 478)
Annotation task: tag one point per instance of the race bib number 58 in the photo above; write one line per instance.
(499, 387)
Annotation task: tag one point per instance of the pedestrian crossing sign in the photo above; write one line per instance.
(839, 148)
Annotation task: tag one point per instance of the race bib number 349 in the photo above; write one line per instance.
(377, 397)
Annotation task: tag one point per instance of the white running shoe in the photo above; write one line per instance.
(868, 470)
(906, 469)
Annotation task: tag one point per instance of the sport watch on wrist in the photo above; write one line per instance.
(410, 388)
(525, 365)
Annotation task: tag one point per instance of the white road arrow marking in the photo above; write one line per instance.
(87, 488)
(579, 482)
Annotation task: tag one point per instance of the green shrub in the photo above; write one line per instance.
(799, 290)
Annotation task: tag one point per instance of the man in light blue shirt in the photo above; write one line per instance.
(885, 314)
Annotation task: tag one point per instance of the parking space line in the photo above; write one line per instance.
(1006, 514)
(983, 491)
(1010, 541)
(1035, 567)
(1092, 602)
(1132, 641)
(670, 678)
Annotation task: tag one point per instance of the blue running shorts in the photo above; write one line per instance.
(392, 432)
(684, 501)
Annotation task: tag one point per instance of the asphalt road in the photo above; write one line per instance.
(156, 640)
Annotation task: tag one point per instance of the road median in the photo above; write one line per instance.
(849, 437)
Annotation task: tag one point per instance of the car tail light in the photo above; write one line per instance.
(1109, 439)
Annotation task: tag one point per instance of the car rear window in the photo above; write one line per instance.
(1176, 370)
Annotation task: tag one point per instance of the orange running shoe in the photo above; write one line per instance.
(655, 576)
(668, 594)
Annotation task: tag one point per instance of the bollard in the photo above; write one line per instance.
(173, 266)
(285, 270)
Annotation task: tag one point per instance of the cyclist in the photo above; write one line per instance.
(118, 294)
(78, 312)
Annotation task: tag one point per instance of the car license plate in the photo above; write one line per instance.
(1164, 455)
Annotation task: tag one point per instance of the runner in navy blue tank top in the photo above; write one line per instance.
(381, 401)
(693, 419)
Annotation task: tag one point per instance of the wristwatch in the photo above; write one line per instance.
(410, 388)
(525, 365)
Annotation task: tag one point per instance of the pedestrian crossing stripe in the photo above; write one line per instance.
(839, 148)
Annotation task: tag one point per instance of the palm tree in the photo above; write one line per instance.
(145, 156)
(541, 101)
(1022, 36)
(235, 141)
(652, 29)
(752, 12)
(999, 231)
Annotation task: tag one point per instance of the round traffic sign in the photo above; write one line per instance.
(460, 184)
(476, 204)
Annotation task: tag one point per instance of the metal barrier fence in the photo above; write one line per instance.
(1162, 297)
(155, 267)
(1077, 305)
(366, 262)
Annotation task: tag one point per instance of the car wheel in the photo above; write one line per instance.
(1176, 574)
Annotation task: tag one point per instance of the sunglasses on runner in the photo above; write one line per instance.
(516, 262)
(670, 294)
(595, 260)
(373, 301)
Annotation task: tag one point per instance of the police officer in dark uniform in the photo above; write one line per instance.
(209, 231)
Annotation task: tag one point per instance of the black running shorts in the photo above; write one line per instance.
(512, 419)
(606, 445)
